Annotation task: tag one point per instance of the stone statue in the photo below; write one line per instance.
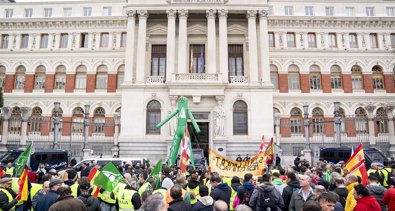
(172, 122)
(219, 117)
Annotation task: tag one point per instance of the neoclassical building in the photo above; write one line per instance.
(248, 68)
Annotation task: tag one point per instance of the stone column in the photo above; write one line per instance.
(171, 43)
(390, 115)
(6, 116)
(17, 41)
(182, 41)
(223, 44)
(25, 117)
(141, 46)
(252, 46)
(211, 42)
(372, 138)
(264, 48)
(129, 61)
(277, 125)
(110, 41)
(115, 149)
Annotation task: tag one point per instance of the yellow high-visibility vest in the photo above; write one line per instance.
(125, 200)
(9, 196)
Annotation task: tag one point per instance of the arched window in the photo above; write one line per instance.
(39, 78)
(361, 120)
(240, 118)
(99, 120)
(2, 75)
(336, 77)
(35, 120)
(78, 120)
(378, 79)
(296, 121)
(80, 78)
(274, 75)
(153, 117)
(120, 75)
(101, 77)
(318, 120)
(293, 77)
(20, 77)
(15, 121)
(60, 77)
(356, 77)
(315, 77)
(382, 120)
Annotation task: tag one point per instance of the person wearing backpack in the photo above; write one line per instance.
(266, 196)
(292, 186)
(244, 192)
(304, 194)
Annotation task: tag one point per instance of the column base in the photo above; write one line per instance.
(308, 155)
(86, 153)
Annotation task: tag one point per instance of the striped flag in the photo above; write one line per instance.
(23, 183)
(356, 165)
(91, 177)
(269, 152)
(185, 151)
(262, 146)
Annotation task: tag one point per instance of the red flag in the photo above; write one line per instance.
(23, 183)
(92, 174)
(91, 177)
(261, 147)
(356, 165)
(185, 151)
(269, 152)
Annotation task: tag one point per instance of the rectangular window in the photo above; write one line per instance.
(24, 40)
(20, 82)
(104, 40)
(123, 39)
(44, 41)
(332, 40)
(80, 81)
(28, 13)
(373, 40)
(390, 11)
(309, 11)
(293, 81)
(4, 41)
(329, 11)
(107, 11)
(357, 82)
(353, 40)
(318, 125)
(350, 11)
(87, 11)
(8, 13)
(369, 11)
(315, 82)
(120, 80)
(197, 58)
(392, 37)
(158, 60)
(271, 39)
(60, 81)
(84, 40)
(47, 12)
(77, 125)
(235, 60)
(274, 80)
(66, 12)
(39, 82)
(336, 82)
(296, 126)
(101, 81)
(312, 42)
(291, 40)
(64, 39)
(98, 125)
(378, 83)
(289, 10)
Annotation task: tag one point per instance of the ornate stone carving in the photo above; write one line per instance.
(251, 14)
(6, 112)
(183, 13)
(211, 13)
(171, 13)
(142, 13)
(130, 13)
(219, 117)
(223, 13)
(263, 13)
(370, 108)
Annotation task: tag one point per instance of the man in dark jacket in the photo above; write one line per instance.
(91, 202)
(244, 192)
(376, 190)
(67, 202)
(5, 187)
(271, 191)
(205, 202)
(341, 191)
(304, 194)
(293, 185)
(50, 198)
(221, 191)
(178, 203)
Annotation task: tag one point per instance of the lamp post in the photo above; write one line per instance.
(115, 149)
(56, 123)
(86, 125)
(338, 123)
(307, 149)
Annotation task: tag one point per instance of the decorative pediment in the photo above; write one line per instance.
(157, 29)
(237, 29)
(197, 29)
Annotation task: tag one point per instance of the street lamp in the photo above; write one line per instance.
(56, 122)
(86, 125)
(306, 125)
(338, 122)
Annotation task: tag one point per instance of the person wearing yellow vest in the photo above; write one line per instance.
(144, 184)
(234, 184)
(387, 174)
(8, 198)
(38, 191)
(107, 200)
(351, 181)
(205, 202)
(128, 199)
(180, 181)
(72, 181)
(10, 169)
(193, 188)
(166, 185)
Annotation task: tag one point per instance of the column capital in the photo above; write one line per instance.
(211, 13)
(223, 13)
(131, 13)
(6, 112)
(171, 13)
(263, 13)
(219, 98)
(142, 13)
(370, 108)
(251, 14)
(389, 109)
(25, 113)
(183, 13)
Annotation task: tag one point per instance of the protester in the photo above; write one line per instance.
(376, 190)
(178, 203)
(145, 196)
(50, 198)
(311, 206)
(246, 158)
(244, 192)
(365, 202)
(66, 201)
(239, 159)
(266, 196)
(243, 207)
(221, 191)
(234, 184)
(128, 198)
(341, 191)
(40, 193)
(193, 187)
(278, 183)
(10, 169)
(144, 185)
(8, 198)
(351, 181)
(153, 203)
(304, 194)
(389, 196)
(205, 202)
(292, 186)
(91, 203)
(220, 206)
(166, 185)
(327, 202)
(387, 173)
(180, 182)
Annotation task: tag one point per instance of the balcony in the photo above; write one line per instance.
(238, 80)
(155, 80)
(197, 77)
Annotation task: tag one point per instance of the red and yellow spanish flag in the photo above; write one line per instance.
(356, 165)
(269, 152)
(91, 177)
(23, 185)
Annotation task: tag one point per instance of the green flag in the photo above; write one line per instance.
(156, 172)
(109, 177)
(22, 161)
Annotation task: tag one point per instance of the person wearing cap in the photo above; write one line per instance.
(91, 202)
(128, 198)
(50, 198)
(8, 198)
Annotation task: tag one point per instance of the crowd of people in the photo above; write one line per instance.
(302, 187)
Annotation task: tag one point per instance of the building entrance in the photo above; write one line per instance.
(200, 140)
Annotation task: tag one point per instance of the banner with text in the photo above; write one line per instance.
(230, 168)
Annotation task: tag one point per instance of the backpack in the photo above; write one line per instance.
(266, 200)
(246, 197)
